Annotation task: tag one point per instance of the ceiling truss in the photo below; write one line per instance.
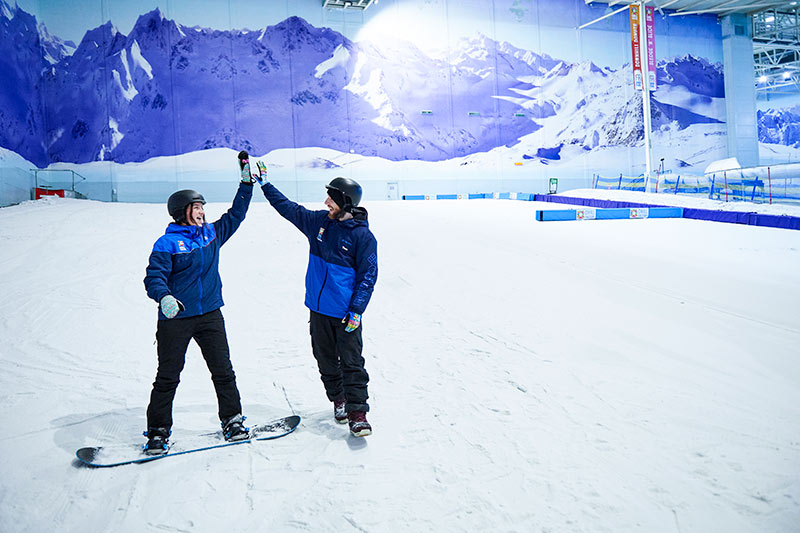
(776, 50)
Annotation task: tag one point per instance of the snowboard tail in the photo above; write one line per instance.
(105, 457)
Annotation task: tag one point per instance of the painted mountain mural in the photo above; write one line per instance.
(167, 89)
(780, 126)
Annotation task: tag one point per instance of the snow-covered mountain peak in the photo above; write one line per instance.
(5, 10)
(589, 67)
(152, 18)
(54, 48)
(100, 37)
(780, 126)
(692, 59)
(295, 23)
(155, 28)
(477, 43)
(153, 23)
(558, 70)
(695, 73)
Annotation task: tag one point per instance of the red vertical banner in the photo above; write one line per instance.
(637, 55)
(650, 32)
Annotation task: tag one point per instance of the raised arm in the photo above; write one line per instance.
(304, 219)
(230, 221)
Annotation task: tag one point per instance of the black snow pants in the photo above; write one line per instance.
(173, 338)
(341, 366)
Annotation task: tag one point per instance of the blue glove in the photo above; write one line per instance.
(244, 166)
(170, 306)
(261, 178)
(353, 321)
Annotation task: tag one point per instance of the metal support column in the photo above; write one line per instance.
(648, 123)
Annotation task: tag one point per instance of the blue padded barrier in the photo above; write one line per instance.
(751, 219)
(732, 217)
(616, 213)
(666, 212)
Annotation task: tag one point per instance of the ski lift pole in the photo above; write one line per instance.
(646, 104)
(769, 180)
(725, 174)
(658, 176)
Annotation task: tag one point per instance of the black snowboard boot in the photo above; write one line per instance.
(338, 411)
(359, 426)
(233, 428)
(156, 441)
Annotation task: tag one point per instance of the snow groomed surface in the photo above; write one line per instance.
(620, 376)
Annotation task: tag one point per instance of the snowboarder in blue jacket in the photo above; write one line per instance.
(183, 277)
(342, 271)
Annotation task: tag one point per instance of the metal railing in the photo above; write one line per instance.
(36, 172)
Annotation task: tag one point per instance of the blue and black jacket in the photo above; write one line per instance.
(185, 260)
(343, 256)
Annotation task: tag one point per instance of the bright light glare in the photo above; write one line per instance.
(404, 25)
(762, 79)
(769, 19)
(787, 75)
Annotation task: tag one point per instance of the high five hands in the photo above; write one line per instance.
(245, 172)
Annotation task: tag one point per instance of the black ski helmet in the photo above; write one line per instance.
(349, 190)
(176, 205)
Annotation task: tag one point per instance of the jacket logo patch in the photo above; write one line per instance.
(181, 246)
(319, 235)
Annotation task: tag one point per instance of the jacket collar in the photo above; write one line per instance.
(185, 230)
(356, 217)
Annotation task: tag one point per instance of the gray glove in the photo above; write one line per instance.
(170, 306)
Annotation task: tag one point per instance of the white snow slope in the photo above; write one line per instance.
(622, 375)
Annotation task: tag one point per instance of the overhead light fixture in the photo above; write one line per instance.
(787, 75)
(762, 79)
(770, 18)
(348, 4)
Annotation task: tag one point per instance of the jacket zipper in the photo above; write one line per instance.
(322, 288)
(202, 266)
(325, 279)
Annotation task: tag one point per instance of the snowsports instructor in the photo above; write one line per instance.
(342, 271)
(183, 277)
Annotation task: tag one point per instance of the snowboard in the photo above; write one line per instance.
(108, 456)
